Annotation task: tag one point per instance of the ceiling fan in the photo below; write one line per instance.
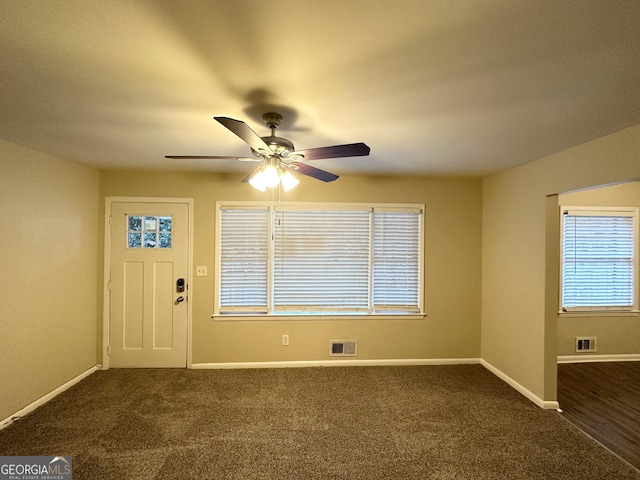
(278, 156)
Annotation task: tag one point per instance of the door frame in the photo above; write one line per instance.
(106, 292)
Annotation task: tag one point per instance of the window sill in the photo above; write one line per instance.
(324, 317)
(599, 313)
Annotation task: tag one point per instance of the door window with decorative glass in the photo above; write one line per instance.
(149, 231)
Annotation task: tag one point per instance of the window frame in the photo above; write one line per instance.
(602, 310)
(227, 314)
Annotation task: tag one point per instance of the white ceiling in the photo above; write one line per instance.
(451, 87)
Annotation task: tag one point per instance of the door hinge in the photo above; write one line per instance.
(110, 219)
(109, 350)
(109, 285)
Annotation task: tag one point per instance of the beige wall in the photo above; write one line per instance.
(452, 275)
(48, 240)
(519, 320)
(616, 334)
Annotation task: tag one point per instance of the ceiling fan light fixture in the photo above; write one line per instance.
(271, 176)
(288, 181)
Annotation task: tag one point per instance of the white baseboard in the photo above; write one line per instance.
(383, 362)
(547, 405)
(627, 357)
(337, 363)
(44, 399)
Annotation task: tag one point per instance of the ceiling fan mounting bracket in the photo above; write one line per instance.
(272, 119)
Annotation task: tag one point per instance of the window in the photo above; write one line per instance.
(312, 259)
(321, 261)
(396, 260)
(244, 259)
(149, 231)
(599, 259)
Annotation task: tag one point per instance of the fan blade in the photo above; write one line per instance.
(336, 151)
(215, 157)
(311, 171)
(245, 132)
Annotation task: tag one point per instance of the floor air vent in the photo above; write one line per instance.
(343, 348)
(585, 344)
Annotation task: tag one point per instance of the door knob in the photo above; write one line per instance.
(179, 299)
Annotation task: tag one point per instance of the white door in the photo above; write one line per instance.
(149, 262)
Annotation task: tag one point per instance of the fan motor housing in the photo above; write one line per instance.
(280, 146)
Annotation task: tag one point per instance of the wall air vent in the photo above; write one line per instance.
(343, 348)
(586, 344)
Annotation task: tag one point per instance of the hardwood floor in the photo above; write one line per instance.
(603, 400)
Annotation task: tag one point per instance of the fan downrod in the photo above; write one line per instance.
(280, 146)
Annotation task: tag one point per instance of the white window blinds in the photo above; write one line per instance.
(598, 260)
(296, 259)
(321, 261)
(396, 275)
(244, 259)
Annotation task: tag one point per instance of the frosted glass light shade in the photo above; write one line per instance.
(288, 181)
(270, 175)
(257, 181)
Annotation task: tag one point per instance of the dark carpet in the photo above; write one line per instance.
(432, 422)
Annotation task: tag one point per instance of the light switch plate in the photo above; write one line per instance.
(201, 271)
